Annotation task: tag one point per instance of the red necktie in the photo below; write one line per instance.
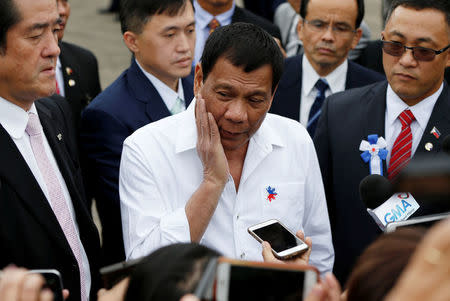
(401, 151)
(213, 25)
(57, 88)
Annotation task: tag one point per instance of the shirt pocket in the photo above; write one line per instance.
(284, 202)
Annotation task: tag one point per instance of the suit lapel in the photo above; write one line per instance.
(188, 89)
(375, 112)
(14, 170)
(69, 71)
(440, 118)
(144, 91)
(292, 83)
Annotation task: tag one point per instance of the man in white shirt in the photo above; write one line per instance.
(45, 223)
(205, 175)
(161, 35)
(329, 29)
(410, 111)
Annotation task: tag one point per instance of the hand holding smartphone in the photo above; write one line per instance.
(284, 243)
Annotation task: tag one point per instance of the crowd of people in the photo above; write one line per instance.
(223, 120)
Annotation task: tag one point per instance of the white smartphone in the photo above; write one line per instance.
(284, 243)
(53, 281)
(246, 280)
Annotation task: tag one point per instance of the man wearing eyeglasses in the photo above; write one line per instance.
(410, 112)
(329, 29)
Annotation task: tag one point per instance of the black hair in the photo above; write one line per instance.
(359, 16)
(169, 273)
(244, 45)
(9, 16)
(441, 5)
(134, 14)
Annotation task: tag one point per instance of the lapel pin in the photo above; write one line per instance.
(69, 71)
(429, 146)
(435, 132)
(71, 82)
(271, 194)
(59, 137)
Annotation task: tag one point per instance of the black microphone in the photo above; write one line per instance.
(374, 190)
(446, 145)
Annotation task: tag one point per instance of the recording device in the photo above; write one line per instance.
(284, 243)
(246, 280)
(384, 208)
(422, 221)
(53, 281)
(113, 274)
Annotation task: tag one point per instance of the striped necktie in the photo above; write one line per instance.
(401, 151)
(213, 25)
(314, 114)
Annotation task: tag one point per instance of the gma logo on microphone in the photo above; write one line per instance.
(399, 207)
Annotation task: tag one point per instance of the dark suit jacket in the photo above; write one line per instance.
(288, 96)
(129, 103)
(243, 15)
(81, 78)
(30, 235)
(347, 118)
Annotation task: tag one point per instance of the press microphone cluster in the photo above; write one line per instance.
(382, 204)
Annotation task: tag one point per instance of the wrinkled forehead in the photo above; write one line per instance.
(36, 12)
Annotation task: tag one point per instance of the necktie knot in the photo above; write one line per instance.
(321, 86)
(34, 126)
(406, 117)
(213, 25)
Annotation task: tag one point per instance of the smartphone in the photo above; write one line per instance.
(53, 281)
(247, 280)
(284, 243)
(113, 274)
(426, 221)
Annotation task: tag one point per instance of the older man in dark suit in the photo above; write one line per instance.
(161, 35)
(329, 29)
(44, 221)
(410, 112)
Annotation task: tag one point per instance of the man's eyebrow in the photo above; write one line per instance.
(168, 28)
(398, 34)
(38, 26)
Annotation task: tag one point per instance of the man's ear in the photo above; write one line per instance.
(198, 79)
(356, 37)
(132, 41)
(300, 30)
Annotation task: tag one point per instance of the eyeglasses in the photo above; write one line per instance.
(321, 26)
(419, 53)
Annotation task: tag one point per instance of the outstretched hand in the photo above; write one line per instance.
(301, 259)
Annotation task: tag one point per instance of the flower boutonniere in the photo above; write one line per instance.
(374, 150)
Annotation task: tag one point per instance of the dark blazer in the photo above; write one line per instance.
(288, 95)
(129, 103)
(81, 78)
(30, 235)
(243, 15)
(347, 118)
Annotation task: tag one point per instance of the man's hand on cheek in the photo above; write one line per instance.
(209, 147)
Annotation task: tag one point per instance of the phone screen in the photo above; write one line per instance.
(250, 283)
(279, 238)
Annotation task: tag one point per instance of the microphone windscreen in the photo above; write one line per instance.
(374, 190)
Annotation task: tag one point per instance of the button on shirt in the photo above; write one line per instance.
(202, 19)
(168, 95)
(14, 120)
(336, 81)
(421, 111)
(160, 170)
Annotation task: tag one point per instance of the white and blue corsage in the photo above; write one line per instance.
(374, 150)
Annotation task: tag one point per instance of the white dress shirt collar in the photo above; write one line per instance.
(60, 78)
(187, 135)
(336, 79)
(421, 111)
(13, 118)
(168, 95)
(202, 17)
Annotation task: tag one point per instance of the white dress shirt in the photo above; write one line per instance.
(160, 170)
(168, 95)
(60, 78)
(336, 81)
(202, 19)
(14, 120)
(422, 111)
